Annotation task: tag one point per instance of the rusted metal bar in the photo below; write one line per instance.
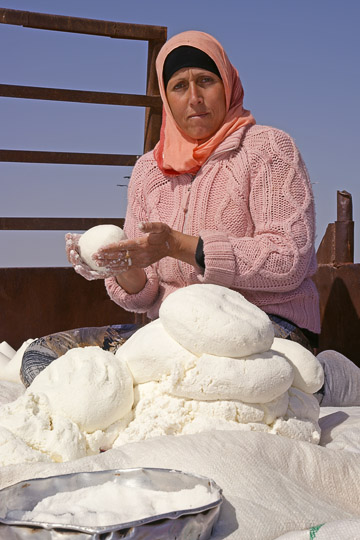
(338, 282)
(326, 251)
(80, 96)
(55, 224)
(344, 206)
(337, 245)
(63, 23)
(344, 229)
(69, 158)
(152, 117)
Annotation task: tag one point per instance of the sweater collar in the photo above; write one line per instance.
(231, 143)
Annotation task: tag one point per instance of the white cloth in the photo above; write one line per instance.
(272, 485)
(335, 530)
(342, 380)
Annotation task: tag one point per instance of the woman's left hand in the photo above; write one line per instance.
(140, 252)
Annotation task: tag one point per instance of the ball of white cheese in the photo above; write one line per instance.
(151, 353)
(88, 385)
(308, 373)
(206, 318)
(259, 378)
(97, 237)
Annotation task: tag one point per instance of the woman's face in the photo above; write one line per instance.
(197, 101)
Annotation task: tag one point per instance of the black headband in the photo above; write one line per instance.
(186, 56)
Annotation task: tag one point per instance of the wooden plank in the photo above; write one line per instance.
(63, 23)
(55, 224)
(80, 96)
(67, 158)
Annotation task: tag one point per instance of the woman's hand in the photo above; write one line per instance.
(73, 255)
(126, 260)
(159, 241)
(132, 280)
(139, 252)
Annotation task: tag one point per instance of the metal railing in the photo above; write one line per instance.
(338, 282)
(54, 299)
(154, 35)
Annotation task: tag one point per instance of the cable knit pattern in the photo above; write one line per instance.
(253, 206)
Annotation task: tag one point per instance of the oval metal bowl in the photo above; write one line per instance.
(187, 523)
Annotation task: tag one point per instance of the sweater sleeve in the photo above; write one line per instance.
(279, 252)
(135, 213)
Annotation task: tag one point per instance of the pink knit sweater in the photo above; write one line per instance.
(253, 206)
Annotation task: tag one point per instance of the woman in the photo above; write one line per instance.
(219, 200)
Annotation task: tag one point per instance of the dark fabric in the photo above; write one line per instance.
(313, 338)
(288, 330)
(186, 56)
(41, 352)
(199, 254)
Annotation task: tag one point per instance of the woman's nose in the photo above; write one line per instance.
(195, 95)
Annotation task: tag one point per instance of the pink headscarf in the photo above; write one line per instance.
(176, 152)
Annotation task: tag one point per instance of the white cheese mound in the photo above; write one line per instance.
(157, 413)
(211, 319)
(97, 237)
(210, 362)
(308, 372)
(294, 428)
(88, 385)
(7, 350)
(302, 405)
(13, 450)
(30, 422)
(259, 378)
(10, 371)
(111, 503)
(152, 353)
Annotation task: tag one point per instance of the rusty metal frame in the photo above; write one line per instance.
(337, 277)
(338, 282)
(154, 35)
(39, 290)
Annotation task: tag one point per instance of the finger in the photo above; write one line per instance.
(71, 243)
(119, 251)
(72, 238)
(69, 237)
(113, 251)
(86, 273)
(152, 227)
(117, 264)
(108, 259)
(73, 257)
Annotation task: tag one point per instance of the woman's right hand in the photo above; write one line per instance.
(73, 255)
(130, 279)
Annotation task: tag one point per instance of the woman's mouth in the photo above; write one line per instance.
(197, 115)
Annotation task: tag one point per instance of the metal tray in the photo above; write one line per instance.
(194, 523)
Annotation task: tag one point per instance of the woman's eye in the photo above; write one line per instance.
(178, 86)
(206, 80)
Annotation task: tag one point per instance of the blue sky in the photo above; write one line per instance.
(298, 61)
